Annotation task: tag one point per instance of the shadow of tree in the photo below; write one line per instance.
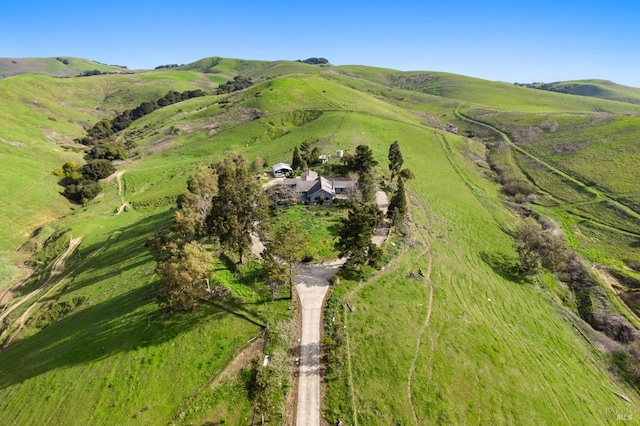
(503, 266)
(120, 324)
(125, 249)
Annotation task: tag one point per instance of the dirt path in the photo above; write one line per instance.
(118, 177)
(7, 294)
(55, 270)
(427, 320)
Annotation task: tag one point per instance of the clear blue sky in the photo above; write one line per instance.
(511, 41)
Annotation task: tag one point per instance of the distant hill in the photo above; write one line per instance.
(603, 89)
(61, 66)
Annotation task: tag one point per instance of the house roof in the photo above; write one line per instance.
(309, 175)
(343, 183)
(322, 184)
(280, 166)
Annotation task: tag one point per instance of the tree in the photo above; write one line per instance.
(395, 160)
(367, 186)
(406, 174)
(71, 172)
(538, 247)
(354, 241)
(195, 204)
(184, 271)
(97, 169)
(528, 245)
(363, 160)
(239, 208)
(283, 254)
(83, 191)
(296, 161)
(398, 204)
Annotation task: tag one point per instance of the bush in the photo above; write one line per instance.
(97, 169)
(83, 191)
(519, 188)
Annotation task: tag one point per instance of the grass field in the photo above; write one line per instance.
(470, 344)
(495, 349)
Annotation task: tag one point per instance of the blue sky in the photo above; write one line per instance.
(511, 41)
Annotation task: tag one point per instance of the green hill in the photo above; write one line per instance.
(447, 332)
(603, 89)
(55, 67)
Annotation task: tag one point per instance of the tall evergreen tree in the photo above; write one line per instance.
(240, 207)
(395, 160)
(367, 187)
(363, 160)
(356, 231)
(398, 204)
(296, 161)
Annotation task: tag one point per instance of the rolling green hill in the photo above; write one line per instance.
(446, 333)
(54, 67)
(594, 88)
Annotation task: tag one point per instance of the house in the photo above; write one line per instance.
(312, 188)
(281, 170)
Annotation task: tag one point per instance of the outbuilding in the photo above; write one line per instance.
(281, 170)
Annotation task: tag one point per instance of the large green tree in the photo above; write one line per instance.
(195, 204)
(239, 208)
(296, 160)
(367, 186)
(398, 204)
(356, 232)
(184, 271)
(395, 160)
(363, 160)
(283, 255)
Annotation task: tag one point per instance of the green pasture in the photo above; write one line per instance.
(496, 349)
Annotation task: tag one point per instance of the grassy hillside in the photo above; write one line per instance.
(594, 88)
(455, 349)
(54, 67)
(503, 96)
(40, 118)
(470, 343)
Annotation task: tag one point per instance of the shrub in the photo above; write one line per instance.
(97, 169)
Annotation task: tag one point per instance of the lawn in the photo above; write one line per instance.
(320, 225)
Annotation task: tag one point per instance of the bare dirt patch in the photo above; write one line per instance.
(568, 148)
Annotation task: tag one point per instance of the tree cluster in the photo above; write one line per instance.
(238, 83)
(106, 128)
(225, 203)
(81, 182)
(159, 67)
(305, 156)
(314, 61)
